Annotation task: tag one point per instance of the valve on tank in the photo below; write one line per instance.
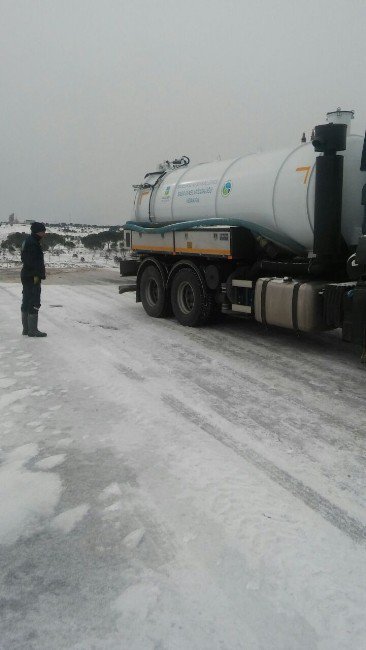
(174, 164)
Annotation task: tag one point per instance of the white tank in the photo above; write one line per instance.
(272, 193)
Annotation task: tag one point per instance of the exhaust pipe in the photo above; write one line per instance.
(328, 139)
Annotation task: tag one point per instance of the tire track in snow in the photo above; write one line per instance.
(276, 355)
(355, 529)
(245, 380)
(320, 444)
(287, 362)
(262, 401)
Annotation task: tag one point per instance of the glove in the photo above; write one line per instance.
(36, 279)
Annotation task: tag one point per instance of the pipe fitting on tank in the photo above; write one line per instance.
(330, 138)
(341, 117)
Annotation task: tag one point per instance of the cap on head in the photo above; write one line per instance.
(37, 226)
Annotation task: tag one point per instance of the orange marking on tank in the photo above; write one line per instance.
(204, 251)
(152, 248)
(306, 170)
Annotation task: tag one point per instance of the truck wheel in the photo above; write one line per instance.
(192, 304)
(153, 294)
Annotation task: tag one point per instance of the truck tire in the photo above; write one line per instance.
(153, 293)
(192, 303)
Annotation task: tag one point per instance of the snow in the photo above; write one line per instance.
(50, 462)
(13, 396)
(59, 257)
(67, 520)
(26, 497)
(6, 383)
(111, 490)
(135, 538)
(164, 487)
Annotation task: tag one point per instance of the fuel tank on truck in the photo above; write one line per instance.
(271, 193)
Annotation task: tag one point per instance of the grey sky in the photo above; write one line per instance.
(95, 93)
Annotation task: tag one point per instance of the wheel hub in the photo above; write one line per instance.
(152, 293)
(185, 297)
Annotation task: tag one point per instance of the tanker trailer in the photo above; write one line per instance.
(279, 236)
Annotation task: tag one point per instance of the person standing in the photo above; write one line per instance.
(32, 274)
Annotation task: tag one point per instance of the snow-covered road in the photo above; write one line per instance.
(165, 488)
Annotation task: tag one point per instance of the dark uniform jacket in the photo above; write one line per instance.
(33, 260)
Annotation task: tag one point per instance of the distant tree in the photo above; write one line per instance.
(52, 239)
(99, 240)
(93, 242)
(14, 240)
(111, 238)
(11, 219)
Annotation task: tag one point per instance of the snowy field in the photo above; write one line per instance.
(167, 488)
(59, 257)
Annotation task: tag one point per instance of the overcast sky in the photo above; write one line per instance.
(94, 93)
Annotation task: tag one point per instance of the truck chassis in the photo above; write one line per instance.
(195, 273)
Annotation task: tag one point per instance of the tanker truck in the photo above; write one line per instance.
(278, 237)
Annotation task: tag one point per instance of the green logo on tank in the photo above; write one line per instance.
(226, 188)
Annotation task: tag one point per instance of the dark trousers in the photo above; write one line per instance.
(31, 297)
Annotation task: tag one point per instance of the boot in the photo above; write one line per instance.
(33, 326)
(25, 322)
